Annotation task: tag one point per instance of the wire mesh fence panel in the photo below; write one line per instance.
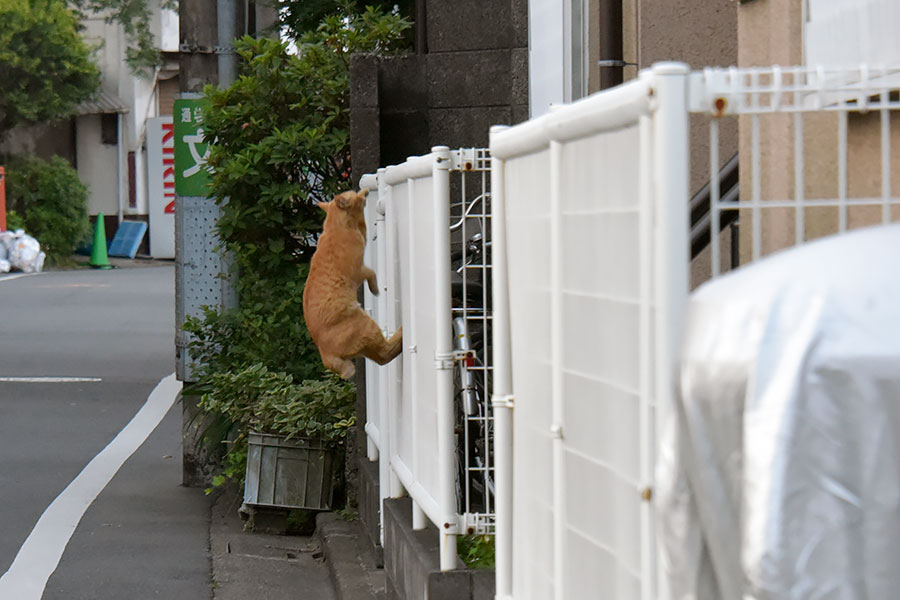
(433, 421)
(471, 312)
(818, 154)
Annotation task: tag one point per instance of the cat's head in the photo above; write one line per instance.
(350, 201)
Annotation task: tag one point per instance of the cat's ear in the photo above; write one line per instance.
(342, 202)
(324, 205)
(363, 192)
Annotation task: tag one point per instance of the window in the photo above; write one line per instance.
(109, 128)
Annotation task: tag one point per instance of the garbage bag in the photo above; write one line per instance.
(25, 253)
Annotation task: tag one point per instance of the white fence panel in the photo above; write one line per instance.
(596, 261)
(528, 245)
(376, 307)
(410, 401)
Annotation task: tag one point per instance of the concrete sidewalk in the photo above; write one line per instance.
(260, 566)
(333, 564)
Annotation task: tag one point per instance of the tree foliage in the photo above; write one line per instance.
(281, 137)
(303, 16)
(46, 68)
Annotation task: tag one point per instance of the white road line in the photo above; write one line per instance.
(16, 276)
(48, 379)
(40, 554)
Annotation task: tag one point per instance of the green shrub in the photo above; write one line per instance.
(14, 221)
(51, 202)
(279, 140)
(477, 551)
(259, 400)
(267, 328)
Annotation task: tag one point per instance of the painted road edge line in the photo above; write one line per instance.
(49, 379)
(40, 554)
(16, 276)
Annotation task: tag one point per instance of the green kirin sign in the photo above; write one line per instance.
(191, 171)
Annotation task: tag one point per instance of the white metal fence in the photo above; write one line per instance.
(590, 212)
(428, 416)
(589, 250)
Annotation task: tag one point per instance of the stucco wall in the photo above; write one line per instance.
(97, 166)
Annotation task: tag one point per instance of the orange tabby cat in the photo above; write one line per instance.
(337, 323)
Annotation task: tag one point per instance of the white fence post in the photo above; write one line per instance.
(388, 479)
(671, 187)
(444, 356)
(502, 399)
(557, 383)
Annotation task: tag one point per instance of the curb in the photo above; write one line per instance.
(354, 570)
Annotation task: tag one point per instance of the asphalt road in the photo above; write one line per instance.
(144, 536)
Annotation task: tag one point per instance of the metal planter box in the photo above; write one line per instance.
(295, 473)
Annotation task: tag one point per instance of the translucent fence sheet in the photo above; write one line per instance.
(601, 306)
(373, 258)
(599, 363)
(528, 247)
(411, 212)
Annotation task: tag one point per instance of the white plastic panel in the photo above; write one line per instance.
(528, 247)
(601, 362)
(374, 247)
(597, 521)
(420, 314)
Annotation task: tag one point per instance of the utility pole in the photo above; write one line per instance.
(199, 33)
(208, 29)
(197, 261)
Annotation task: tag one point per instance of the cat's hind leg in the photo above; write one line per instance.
(383, 350)
(343, 367)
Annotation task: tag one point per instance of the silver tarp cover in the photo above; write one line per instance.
(780, 477)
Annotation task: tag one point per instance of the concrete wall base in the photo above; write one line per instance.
(412, 562)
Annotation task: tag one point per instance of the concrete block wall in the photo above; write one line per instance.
(412, 562)
(474, 74)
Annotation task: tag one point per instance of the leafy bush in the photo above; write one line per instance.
(476, 551)
(14, 221)
(266, 328)
(279, 140)
(51, 202)
(259, 400)
(300, 16)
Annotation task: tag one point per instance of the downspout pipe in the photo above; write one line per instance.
(120, 146)
(230, 25)
(612, 55)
